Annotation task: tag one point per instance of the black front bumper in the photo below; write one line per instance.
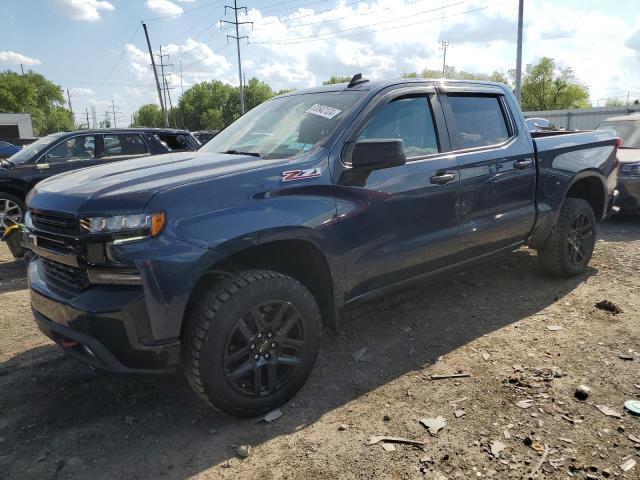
(106, 326)
(629, 197)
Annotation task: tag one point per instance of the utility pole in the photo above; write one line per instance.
(155, 75)
(181, 87)
(22, 69)
(94, 117)
(162, 74)
(86, 111)
(170, 104)
(235, 9)
(518, 91)
(443, 46)
(70, 107)
(113, 111)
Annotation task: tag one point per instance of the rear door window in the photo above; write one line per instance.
(124, 145)
(175, 142)
(74, 149)
(478, 121)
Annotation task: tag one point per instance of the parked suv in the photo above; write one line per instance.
(66, 151)
(230, 260)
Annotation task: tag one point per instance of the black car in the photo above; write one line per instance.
(627, 128)
(203, 136)
(66, 151)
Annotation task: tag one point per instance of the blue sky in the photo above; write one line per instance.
(96, 49)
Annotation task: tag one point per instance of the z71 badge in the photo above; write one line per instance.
(292, 175)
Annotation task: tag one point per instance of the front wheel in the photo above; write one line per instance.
(12, 210)
(251, 341)
(568, 249)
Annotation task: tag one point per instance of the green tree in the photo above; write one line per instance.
(32, 93)
(336, 79)
(545, 86)
(613, 102)
(451, 72)
(148, 115)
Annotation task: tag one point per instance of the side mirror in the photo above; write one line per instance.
(378, 153)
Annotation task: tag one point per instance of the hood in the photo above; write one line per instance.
(127, 186)
(629, 155)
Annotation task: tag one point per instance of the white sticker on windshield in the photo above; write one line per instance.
(323, 110)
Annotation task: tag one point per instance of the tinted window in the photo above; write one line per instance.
(479, 121)
(73, 149)
(407, 118)
(175, 143)
(129, 145)
(627, 130)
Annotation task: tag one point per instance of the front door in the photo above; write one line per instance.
(397, 223)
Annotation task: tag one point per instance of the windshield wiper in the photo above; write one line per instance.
(237, 152)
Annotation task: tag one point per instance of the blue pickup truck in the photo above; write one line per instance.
(228, 262)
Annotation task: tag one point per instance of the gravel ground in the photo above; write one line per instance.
(60, 420)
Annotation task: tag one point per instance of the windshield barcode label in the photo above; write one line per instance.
(323, 110)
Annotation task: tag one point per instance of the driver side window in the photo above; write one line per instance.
(74, 149)
(407, 118)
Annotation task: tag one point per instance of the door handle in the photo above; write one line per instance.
(443, 178)
(522, 164)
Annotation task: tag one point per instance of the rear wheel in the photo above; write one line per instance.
(12, 210)
(251, 341)
(568, 249)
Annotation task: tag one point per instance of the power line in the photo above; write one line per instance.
(237, 36)
(115, 65)
(323, 20)
(335, 34)
(269, 12)
(348, 4)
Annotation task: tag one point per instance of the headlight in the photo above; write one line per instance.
(147, 224)
(630, 169)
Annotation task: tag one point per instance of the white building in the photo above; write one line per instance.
(16, 126)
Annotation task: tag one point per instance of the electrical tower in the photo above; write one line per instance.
(443, 46)
(94, 117)
(114, 109)
(237, 37)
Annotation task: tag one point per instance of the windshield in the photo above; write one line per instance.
(627, 130)
(31, 150)
(286, 126)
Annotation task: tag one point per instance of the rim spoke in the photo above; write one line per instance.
(244, 330)
(292, 343)
(283, 308)
(271, 377)
(241, 370)
(257, 380)
(238, 354)
(288, 360)
(258, 317)
(288, 324)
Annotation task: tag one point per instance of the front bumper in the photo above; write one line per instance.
(106, 326)
(629, 198)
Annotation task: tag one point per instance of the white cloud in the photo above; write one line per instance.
(164, 7)
(81, 92)
(83, 10)
(14, 57)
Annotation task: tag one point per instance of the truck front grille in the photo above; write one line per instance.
(65, 276)
(55, 222)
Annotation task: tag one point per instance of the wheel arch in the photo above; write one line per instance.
(299, 258)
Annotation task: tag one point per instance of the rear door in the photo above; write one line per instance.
(399, 222)
(496, 193)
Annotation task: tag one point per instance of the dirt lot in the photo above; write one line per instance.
(60, 420)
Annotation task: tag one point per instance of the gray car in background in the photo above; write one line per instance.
(627, 128)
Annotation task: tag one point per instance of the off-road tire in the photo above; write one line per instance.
(17, 201)
(553, 254)
(213, 320)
